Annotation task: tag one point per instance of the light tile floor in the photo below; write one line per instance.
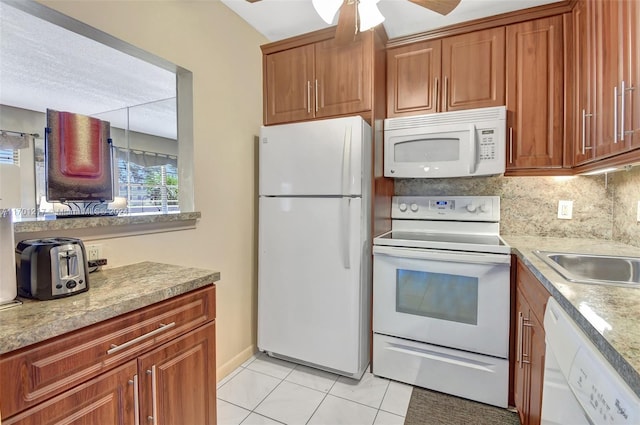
(268, 391)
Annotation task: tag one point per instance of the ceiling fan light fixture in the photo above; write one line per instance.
(369, 14)
(327, 9)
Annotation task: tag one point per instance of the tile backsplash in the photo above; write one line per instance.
(604, 207)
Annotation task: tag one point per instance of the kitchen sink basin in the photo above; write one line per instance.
(597, 269)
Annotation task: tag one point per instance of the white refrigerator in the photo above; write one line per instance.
(314, 242)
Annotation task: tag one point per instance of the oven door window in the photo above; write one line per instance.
(437, 295)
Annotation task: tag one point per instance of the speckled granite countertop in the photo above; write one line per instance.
(618, 306)
(112, 292)
(39, 225)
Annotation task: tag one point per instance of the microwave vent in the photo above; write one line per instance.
(445, 118)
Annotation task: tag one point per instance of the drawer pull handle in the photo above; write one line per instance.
(115, 348)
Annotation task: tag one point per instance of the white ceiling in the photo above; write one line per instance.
(279, 19)
(43, 65)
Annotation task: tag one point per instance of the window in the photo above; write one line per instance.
(10, 156)
(147, 180)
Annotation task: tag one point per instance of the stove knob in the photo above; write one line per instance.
(402, 207)
(471, 207)
(414, 207)
(484, 208)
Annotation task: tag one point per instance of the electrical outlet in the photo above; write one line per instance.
(565, 209)
(94, 252)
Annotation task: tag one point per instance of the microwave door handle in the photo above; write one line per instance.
(473, 137)
(346, 162)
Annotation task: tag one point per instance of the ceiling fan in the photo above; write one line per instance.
(361, 15)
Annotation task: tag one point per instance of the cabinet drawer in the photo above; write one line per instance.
(107, 399)
(37, 373)
(532, 289)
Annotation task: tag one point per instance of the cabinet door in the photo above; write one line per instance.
(631, 73)
(413, 79)
(536, 354)
(522, 375)
(178, 380)
(608, 75)
(584, 80)
(535, 93)
(289, 84)
(343, 76)
(107, 399)
(473, 70)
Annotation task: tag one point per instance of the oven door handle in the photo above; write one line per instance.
(438, 255)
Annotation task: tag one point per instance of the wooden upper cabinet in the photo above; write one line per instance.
(454, 73)
(413, 78)
(584, 67)
(318, 80)
(289, 76)
(608, 76)
(343, 76)
(535, 94)
(631, 72)
(473, 70)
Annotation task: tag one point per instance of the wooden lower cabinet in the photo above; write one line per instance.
(162, 376)
(531, 301)
(107, 399)
(178, 380)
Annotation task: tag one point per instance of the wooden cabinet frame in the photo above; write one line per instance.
(528, 366)
(60, 368)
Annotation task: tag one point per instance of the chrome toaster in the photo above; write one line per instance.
(51, 268)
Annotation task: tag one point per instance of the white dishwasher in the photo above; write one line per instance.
(580, 386)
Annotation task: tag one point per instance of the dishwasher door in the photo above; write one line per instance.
(580, 386)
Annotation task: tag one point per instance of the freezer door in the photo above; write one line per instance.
(313, 158)
(313, 296)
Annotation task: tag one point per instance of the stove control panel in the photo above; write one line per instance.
(464, 208)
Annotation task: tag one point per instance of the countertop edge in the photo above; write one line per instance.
(627, 372)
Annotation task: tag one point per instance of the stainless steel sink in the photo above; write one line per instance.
(597, 269)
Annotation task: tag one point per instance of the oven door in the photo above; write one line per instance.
(454, 299)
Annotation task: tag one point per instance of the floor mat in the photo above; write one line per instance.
(428, 407)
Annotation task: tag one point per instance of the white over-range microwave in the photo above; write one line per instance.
(449, 144)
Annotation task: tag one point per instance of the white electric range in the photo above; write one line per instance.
(441, 297)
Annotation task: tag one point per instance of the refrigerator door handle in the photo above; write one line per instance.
(346, 232)
(346, 162)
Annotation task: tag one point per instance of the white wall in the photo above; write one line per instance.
(223, 53)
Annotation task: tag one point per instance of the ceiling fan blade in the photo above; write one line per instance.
(347, 22)
(443, 7)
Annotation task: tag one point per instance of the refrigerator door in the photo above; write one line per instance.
(321, 158)
(313, 300)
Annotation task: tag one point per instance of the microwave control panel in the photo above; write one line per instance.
(487, 142)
